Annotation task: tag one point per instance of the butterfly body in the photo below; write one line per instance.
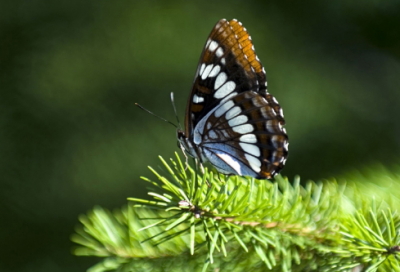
(231, 120)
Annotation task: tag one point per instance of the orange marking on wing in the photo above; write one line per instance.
(246, 44)
(197, 108)
(204, 90)
(243, 38)
(265, 171)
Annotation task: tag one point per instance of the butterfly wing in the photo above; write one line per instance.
(230, 115)
(228, 57)
(244, 135)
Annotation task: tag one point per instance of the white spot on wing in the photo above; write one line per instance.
(243, 129)
(274, 140)
(226, 89)
(248, 138)
(223, 108)
(258, 103)
(223, 61)
(221, 78)
(248, 94)
(213, 45)
(214, 71)
(202, 69)
(264, 113)
(233, 112)
(212, 134)
(219, 52)
(206, 71)
(255, 163)
(251, 149)
(241, 119)
(197, 99)
(269, 125)
(232, 163)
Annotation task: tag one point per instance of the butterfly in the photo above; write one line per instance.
(231, 120)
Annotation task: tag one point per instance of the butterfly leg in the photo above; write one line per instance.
(202, 168)
(184, 154)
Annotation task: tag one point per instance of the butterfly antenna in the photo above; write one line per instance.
(146, 110)
(176, 113)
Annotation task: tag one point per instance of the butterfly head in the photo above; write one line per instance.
(185, 144)
(182, 139)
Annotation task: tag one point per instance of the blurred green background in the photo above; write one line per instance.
(71, 71)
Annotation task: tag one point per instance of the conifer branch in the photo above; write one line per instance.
(245, 224)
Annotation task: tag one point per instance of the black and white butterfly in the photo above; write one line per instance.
(231, 120)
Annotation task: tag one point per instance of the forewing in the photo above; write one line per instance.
(228, 66)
